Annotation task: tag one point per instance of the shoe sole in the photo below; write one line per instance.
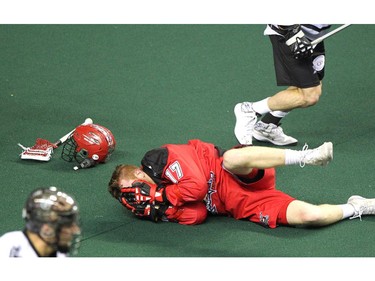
(237, 111)
(329, 150)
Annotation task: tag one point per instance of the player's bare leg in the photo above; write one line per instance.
(306, 214)
(240, 161)
(300, 213)
(294, 97)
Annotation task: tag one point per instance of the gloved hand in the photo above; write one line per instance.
(143, 199)
(296, 40)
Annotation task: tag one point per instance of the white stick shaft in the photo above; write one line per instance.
(65, 137)
(320, 39)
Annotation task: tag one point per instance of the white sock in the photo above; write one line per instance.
(261, 106)
(279, 114)
(347, 210)
(293, 157)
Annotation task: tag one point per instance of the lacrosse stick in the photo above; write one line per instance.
(320, 39)
(42, 149)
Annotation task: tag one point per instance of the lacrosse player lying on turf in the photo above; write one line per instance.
(185, 182)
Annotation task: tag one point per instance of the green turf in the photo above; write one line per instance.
(156, 84)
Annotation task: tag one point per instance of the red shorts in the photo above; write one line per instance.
(258, 201)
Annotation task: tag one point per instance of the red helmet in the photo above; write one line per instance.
(89, 142)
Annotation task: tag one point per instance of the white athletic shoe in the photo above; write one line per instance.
(273, 134)
(319, 156)
(245, 121)
(362, 206)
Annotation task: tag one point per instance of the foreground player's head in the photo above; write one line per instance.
(54, 216)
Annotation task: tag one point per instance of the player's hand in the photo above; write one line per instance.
(142, 198)
(298, 44)
(138, 193)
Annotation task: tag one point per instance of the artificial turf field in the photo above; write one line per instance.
(155, 84)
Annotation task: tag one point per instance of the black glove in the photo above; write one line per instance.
(296, 40)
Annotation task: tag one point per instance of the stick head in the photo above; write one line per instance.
(42, 150)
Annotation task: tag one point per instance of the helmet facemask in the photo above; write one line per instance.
(69, 152)
(68, 237)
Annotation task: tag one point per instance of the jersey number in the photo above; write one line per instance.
(174, 172)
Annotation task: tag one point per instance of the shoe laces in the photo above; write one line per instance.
(267, 128)
(302, 162)
(358, 213)
(277, 130)
(274, 129)
(247, 107)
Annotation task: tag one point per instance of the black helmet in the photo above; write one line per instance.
(55, 208)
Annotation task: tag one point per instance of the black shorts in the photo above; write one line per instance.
(301, 73)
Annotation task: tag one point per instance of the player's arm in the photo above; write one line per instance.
(189, 214)
(188, 189)
(146, 201)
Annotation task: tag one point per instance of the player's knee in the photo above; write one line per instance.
(229, 159)
(312, 95)
(303, 213)
(311, 216)
(236, 157)
(237, 160)
(313, 99)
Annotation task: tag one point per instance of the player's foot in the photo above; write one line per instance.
(362, 206)
(273, 134)
(319, 156)
(245, 121)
